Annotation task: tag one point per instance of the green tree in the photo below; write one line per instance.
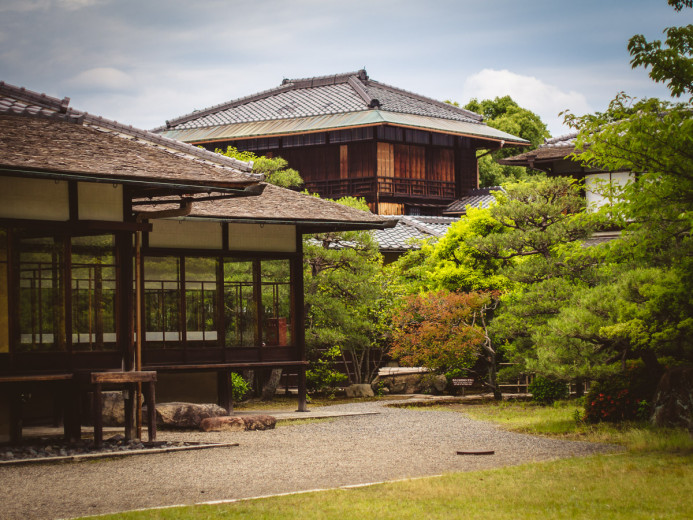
(653, 139)
(275, 169)
(540, 226)
(346, 297)
(505, 114)
(452, 264)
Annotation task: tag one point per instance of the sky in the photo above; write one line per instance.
(146, 61)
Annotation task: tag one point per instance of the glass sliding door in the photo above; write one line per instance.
(276, 302)
(163, 323)
(201, 300)
(42, 301)
(93, 288)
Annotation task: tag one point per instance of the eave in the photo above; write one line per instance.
(303, 125)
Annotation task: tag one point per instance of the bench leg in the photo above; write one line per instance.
(129, 403)
(151, 412)
(16, 414)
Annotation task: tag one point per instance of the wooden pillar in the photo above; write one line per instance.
(302, 401)
(299, 318)
(98, 418)
(225, 390)
(151, 411)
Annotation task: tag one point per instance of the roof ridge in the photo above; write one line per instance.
(64, 112)
(330, 79)
(420, 226)
(223, 106)
(360, 89)
(244, 167)
(468, 113)
(565, 137)
(287, 84)
(23, 94)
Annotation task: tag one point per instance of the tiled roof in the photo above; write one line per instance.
(478, 197)
(277, 204)
(553, 149)
(409, 230)
(42, 132)
(325, 95)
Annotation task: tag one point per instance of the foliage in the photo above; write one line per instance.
(240, 387)
(644, 309)
(274, 169)
(546, 391)
(322, 377)
(672, 64)
(642, 313)
(622, 397)
(438, 330)
(505, 114)
(451, 263)
(346, 296)
(538, 220)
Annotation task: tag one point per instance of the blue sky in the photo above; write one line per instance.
(143, 62)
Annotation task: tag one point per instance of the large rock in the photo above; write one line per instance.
(238, 423)
(113, 408)
(186, 415)
(359, 391)
(418, 383)
(673, 404)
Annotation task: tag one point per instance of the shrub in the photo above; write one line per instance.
(241, 387)
(622, 397)
(546, 391)
(322, 376)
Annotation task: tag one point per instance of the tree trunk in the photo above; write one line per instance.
(270, 388)
(493, 379)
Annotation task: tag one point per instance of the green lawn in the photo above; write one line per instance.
(653, 478)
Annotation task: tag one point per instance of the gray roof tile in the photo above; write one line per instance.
(409, 229)
(342, 93)
(474, 198)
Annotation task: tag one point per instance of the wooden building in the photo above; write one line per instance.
(106, 230)
(554, 158)
(347, 134)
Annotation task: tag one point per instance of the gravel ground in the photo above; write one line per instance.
(397, 443)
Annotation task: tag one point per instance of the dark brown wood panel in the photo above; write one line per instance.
(362, 159)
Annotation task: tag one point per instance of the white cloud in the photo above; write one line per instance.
(529, 92)
(102, 78)
(24, 6)
(74, 5)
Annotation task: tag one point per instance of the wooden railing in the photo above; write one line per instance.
(391, 186)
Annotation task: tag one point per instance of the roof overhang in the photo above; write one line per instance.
(302, 125)
(149, 187)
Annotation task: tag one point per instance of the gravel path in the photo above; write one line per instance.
(397, 443)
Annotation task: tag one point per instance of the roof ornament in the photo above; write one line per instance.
(64, 104)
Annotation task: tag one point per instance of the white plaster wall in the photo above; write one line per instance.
(100, 201)
(262, 237)
(34, 199)
(185, 234)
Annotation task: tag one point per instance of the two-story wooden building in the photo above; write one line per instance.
(347, 134)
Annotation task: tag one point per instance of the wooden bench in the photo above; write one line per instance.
(129, 381)
(23, 382)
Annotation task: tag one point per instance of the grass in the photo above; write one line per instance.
(652, 478)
